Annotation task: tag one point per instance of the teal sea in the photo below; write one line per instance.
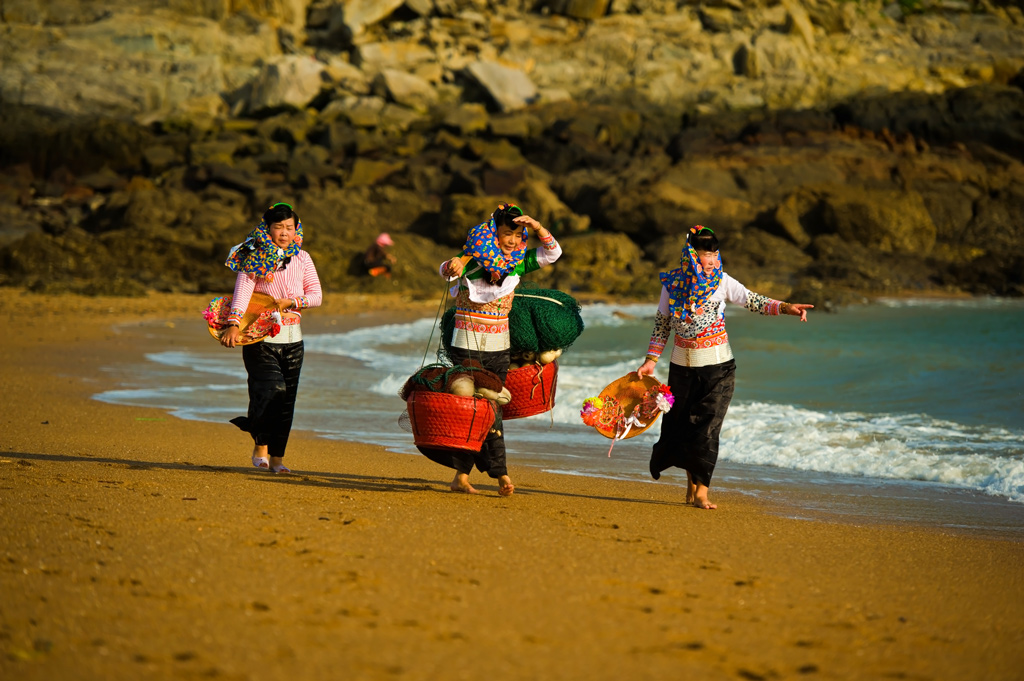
(898, 411)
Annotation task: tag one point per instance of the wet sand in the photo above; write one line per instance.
(138, 545)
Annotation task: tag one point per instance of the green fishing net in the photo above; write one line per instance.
(540, 319)
(434, 377)
(543, 319)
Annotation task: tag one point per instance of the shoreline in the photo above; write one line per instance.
(140, 545)
(806, 494)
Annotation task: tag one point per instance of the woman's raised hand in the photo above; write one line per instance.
(528, 222)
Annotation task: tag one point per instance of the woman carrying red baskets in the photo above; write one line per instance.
(488, 271)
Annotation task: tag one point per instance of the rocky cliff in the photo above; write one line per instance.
(839, 148)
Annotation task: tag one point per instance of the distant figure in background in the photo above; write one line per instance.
(271, 261)
(377, 259)
(702, 375)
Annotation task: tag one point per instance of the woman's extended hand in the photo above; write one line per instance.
(798, 310)
(646, 369)
(284, 304)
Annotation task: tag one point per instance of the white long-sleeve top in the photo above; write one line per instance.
(701, 339)
(482, 307)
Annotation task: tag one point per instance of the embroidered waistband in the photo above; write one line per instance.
(721, 338)
(481, 325)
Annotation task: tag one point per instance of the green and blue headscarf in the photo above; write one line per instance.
(482, 244)
(688, 287)
(260, 256)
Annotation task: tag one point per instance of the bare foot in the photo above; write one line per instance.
(691, 489)
(461, 484)
(506, 488)
(259, 457)
(700, 499)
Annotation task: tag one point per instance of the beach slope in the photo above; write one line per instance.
(137, 545)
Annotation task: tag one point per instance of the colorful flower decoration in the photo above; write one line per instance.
(600, 413)
(606, 414)
(659, 399)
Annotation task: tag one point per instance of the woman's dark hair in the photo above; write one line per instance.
(278, 213)
(505, 213)
(703, 240)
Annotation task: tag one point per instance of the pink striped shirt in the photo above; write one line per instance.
(298, 281)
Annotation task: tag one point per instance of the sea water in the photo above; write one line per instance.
(913, 403)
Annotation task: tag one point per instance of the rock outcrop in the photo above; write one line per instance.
(839, 149)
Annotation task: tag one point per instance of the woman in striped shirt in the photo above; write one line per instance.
(271, 261)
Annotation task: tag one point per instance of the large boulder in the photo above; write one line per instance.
(580, 9)
(14, 224)
(289, 81)
(128, 62)
(540, 202)
(460, 212)
(351, 18)
(951, 206)
(406, 89)
(997, 224)
(604, 263)
(510, 89)
(405, 55)
(889, 221)
(662, 208)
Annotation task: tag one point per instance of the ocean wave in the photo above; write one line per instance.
(985, 302)
(388, 347)
(212, 364)
(844, 441)
(904, 447)
(605, 314)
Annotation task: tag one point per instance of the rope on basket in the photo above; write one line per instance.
(444, 299)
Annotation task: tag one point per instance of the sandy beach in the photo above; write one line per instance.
(138, 545)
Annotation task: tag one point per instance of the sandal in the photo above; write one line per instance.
(281, 469)
(260, 461)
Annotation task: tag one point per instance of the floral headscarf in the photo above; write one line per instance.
(688, 287)
(259, 255)
(482, 244)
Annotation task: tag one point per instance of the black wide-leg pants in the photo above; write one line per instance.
(690, 429)
(491, 457)
(273, 370)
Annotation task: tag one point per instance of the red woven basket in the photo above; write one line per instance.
(533, 390)
(449, 421)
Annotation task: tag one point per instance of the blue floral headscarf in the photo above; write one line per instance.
(260, 256)
(482, 244)
(688, 287)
